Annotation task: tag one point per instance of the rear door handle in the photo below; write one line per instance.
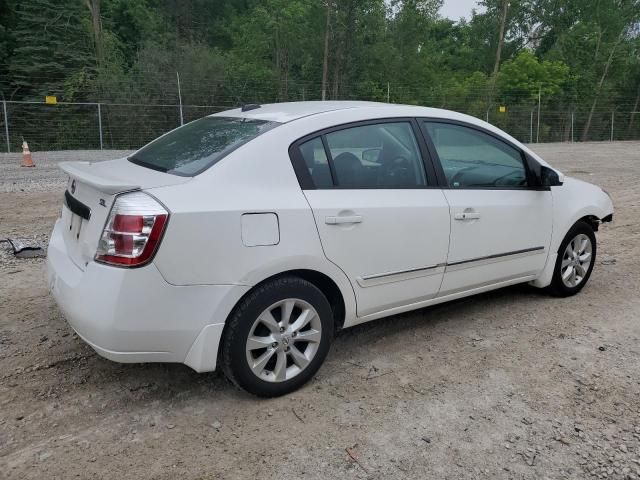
(467, 216)
(343, 220)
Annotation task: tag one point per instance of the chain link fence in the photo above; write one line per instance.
(75, 126)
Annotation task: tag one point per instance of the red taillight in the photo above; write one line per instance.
(128, 223)
(133, 231)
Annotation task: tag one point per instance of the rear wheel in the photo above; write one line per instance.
(576, 258)
(277, 337)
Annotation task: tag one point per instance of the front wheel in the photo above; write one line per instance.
(576, 258)
(277, 337)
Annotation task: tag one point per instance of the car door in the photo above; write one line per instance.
(379, 214)
(500, 220)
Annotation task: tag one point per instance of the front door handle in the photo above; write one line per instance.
(467, 216)
(343, 220)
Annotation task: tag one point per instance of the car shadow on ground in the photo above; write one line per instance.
(166, 382)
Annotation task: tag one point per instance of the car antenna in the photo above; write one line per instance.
(249, 106)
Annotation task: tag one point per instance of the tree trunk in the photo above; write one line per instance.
(348, 63)
(96, 24)
(337, 63)
(503, 25)
(587, 127)
(325, 63)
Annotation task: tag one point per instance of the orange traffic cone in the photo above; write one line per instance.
(27, 161)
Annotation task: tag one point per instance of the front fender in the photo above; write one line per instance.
(573, 200)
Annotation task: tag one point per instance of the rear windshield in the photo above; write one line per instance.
(196, 146)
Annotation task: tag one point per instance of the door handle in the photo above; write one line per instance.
(343, 220)
(467, 216)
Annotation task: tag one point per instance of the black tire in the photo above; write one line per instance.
(233, 346)
(558, 288)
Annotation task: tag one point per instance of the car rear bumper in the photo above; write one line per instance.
(134, 315)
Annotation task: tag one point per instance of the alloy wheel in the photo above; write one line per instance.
(576, 260)
(283, 340)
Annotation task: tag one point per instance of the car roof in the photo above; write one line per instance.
(288, 111)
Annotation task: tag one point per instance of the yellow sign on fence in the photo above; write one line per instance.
(503, 109)
(50, 100)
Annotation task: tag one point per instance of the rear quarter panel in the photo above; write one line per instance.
(203, 243)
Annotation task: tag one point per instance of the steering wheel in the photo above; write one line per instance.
(520, 183)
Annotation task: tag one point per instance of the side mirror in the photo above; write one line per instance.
(371, 155)
(549, 177)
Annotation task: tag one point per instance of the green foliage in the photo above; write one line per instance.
(524, 77)
(49, 44)
(581, 55)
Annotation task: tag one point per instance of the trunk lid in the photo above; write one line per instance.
(91, 191)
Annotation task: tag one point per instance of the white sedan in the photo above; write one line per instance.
(247, 238)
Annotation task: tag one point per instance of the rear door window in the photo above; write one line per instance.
(191, 149)
(317, 163)
(383, 155)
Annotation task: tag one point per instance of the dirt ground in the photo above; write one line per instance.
(511, 384)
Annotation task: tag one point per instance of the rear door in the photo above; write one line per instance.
(380, 217)
(500, 222)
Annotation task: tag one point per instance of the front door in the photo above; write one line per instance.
(500, 226)
(378, 216)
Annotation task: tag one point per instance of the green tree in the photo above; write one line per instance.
(524, 77)
(51, 46)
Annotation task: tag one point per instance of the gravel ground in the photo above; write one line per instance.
(511, 384)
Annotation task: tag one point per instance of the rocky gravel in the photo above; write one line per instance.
(512, 384)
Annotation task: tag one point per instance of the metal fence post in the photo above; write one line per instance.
(180, 99)
(100, 124)
(531, 128)
(539, 101)
(572, 113)
(6, 125)
(612, 119)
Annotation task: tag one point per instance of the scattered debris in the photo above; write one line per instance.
(415, 389)
(355, 364)
(296, 414)
(351, 452)
(22, 250)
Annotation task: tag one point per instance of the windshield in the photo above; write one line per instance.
(193, 148)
